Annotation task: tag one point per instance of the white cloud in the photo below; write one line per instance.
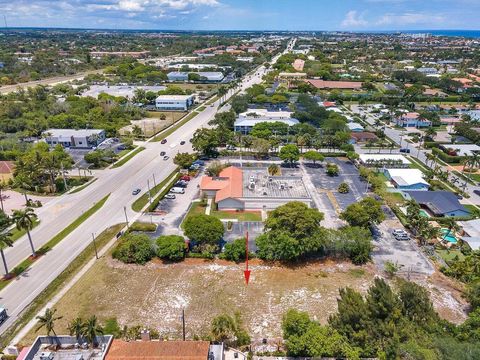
(353, 20)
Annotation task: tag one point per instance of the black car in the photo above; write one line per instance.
(182, 142)
(162, 153)
(164, 141)
(406, 151)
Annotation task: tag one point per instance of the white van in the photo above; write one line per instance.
(177, 190)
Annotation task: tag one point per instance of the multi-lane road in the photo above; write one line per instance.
(119, 183)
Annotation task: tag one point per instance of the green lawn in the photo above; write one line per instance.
(125, 152)
(175, 126)
(72, 269)
(143, 227)
(240, 215)
(475, 211)
(449, 255)
(124, 160)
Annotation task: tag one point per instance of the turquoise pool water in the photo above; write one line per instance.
(450, 238)
(424, 213)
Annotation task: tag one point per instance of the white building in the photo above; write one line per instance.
(174, 102)
(247, 120)
(86, 139)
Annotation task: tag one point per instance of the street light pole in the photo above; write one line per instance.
(126, 217)
(95, 245)
(149, 193)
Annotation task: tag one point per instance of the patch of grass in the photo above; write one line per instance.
(201, 108)
(450, 255)
(142, 201)
(357, 273)
(125, 152)
(175, 126)
(80, 188)
(474, 210)
(239, 215)
(72, 269)
(124, 160)
(142, 227)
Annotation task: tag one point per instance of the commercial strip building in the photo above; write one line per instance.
(174, 102)
(71, 138)
(253, 189)
(248, 119)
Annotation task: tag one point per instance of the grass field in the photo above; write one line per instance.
(154, 295)
(199, 208)
(174, 127)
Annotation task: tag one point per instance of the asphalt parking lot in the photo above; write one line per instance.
(107, 144)
(347, 173)
(405, 253)
(239, 229)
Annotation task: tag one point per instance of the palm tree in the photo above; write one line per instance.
(24, 220)
(76, 328)
(3, 186)
(47, 321)
(91, 329)
(5, 240)
(223, 327)
(222, 91)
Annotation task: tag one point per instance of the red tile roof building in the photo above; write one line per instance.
(158, 350)
(323, 84)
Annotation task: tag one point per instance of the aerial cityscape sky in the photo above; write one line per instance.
(354, 15)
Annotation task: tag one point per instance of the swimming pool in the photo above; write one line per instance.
(450, 237)
(423, 213)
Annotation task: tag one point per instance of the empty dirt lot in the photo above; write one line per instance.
(154, 295)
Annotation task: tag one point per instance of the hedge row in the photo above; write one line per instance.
(449, 159)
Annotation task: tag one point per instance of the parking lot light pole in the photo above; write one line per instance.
(149, 193)
(154, 181)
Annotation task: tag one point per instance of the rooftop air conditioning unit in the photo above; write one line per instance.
(48, 355)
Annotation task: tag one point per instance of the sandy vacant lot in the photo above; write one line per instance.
(154, 295)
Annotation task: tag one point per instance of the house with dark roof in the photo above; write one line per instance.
(439, 203)
(362, 137)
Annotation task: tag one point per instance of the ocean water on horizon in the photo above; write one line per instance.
(462, 33)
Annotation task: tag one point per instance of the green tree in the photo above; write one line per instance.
(184, 160)
(91, 329)
(134, 249)
(25, 220)
(204, 229)
(75, 328)
(289, 153)
(47, 321)
(364, 213)
(5, 240)
(313, 156)
(171, 247)
(205, 141)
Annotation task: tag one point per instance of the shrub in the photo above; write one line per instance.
(332, 169)
(134, 249)
(204, 229)
(235, 251)
(171, 247)
(143, 227)
(343, 188)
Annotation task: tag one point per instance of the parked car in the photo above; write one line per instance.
(399, 232)
(164, 141)
(170, 196)
(186, 178)
(404, 150)
(182, 184)
(231, 148)
(166, 158)
(402, 237)
(177, 190)
(162, 153)
(182, 142)
(3, 315)
(136, 191)
(199, 162)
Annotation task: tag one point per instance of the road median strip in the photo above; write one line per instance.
(56, 285)
(126, 158)
(25, 264)
(143, 200)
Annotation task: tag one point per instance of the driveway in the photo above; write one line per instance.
(405, 253)
(239, 229)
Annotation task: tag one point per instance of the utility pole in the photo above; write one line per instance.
(154, 181)
(149, 193)
(183, 323)
(95, 245)
(126, 217)
(63, 176)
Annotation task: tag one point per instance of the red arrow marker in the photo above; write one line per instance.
(246, 272)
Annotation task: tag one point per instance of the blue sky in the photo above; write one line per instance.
(354, 15)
